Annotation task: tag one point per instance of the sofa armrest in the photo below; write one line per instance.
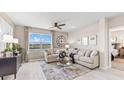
(95, 60)
(46, 56)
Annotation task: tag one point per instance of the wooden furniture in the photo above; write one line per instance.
(10, 65)
(121, 51)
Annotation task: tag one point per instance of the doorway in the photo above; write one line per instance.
(117, 48)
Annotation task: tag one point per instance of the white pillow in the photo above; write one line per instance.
(88, 52)
(70, 50)
(57, 51)
(80, 53)
(94, 53)
(83, 52)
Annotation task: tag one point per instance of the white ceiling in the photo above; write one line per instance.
(73, 20)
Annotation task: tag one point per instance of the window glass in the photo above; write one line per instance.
(39, 41)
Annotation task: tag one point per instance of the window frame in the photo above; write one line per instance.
(40, 43)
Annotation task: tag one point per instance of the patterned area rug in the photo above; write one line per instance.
(53, 71)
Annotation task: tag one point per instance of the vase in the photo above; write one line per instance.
(9, 54)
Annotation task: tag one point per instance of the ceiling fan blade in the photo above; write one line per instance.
(61, 25)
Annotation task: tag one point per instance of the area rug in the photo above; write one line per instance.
(53, 71)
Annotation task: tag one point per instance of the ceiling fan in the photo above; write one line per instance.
(58, 26)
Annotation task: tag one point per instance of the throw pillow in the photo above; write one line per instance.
(94, 53)
(75, 51)
(88, 52)
(83, 52)
(80, 53)
(57, 51)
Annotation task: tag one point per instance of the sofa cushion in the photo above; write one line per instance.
(70, 50)
(76, 57)
(75, 51)
(86, 59)
(88, 52)
(83, 52)
(80, 53)
(93, 53)
(53, 56)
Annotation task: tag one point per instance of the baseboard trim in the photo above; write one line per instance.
(104, 68)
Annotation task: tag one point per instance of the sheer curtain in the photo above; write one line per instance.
(26, 43)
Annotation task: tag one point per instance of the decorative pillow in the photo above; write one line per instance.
(75, 51)
(88, 52)
(70, 50)
(83, 52)
(57, 52)
(80, 53)
(94, 53)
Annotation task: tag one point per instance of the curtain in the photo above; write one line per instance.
(26, 43)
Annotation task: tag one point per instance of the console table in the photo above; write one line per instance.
(10, 65)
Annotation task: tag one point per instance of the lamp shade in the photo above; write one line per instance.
(15, 40)
(67, 46)
(8, 38)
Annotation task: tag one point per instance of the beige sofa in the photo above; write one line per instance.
(50, 58)
(88, 58)
(51, 55)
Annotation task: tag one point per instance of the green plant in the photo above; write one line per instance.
(13, 48)
(17, 47)
(8, 47)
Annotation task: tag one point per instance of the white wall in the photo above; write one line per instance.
(103, 43)
(119, 35)
(7, 19)
(74, 36)
(7, 27)
(100, 29)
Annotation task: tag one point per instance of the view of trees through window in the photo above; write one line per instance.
(39, 41)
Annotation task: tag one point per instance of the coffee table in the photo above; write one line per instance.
(65, 62)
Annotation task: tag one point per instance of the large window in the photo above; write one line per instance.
(5, 28)
(39, 41)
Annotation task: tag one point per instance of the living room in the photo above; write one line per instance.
(55, 45)
(60, 45)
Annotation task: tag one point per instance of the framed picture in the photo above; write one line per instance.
(93, 40)
(84, 41)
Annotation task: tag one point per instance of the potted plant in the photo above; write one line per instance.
(16, 49)
(8, 50)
